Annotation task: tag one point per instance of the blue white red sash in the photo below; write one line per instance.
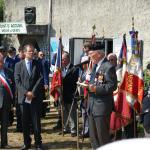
(6, 85)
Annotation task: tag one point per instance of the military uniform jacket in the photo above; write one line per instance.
(101, 102)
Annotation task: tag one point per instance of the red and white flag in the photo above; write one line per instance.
(133, 83)
(122, 115)
(6, 86)
(56, 83)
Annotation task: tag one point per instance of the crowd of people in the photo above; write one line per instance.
(24, 78)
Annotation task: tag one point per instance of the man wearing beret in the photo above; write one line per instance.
(103, 82)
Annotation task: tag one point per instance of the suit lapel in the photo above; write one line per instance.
(69, 69)
(7, 76)
(101, 67)
(33, 68)
(6, 62)
(25, 68)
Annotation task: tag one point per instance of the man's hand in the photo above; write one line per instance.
(92, 88)
(29, 95)
(79, 79)
(46, 87)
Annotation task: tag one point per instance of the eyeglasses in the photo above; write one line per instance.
(111, 59)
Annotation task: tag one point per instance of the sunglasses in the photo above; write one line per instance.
(111, 59)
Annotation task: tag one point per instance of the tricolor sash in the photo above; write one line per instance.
(6, 85)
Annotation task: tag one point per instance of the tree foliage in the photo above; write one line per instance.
(1, 9)
(146, 79)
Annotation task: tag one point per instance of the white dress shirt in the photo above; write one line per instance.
(64, 71)
(99, 64)
(27, 62)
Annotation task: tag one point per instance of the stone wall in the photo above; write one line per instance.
(76, 17)
(15, 10)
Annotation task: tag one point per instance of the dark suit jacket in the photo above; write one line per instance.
(25, 83)
(5, 99)
(9, 63)
(16, 59)
(145, 116)
(101, 102)
(69, 84)
(45, 70)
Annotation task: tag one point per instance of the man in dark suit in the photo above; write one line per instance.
(20, 57)
(6, 99)
(10, 64)
(12, 54)
(103, 82)
(70, 77)
(45, 71)
(29, 83)
(45, 68)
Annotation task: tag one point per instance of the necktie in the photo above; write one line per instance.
(29, 67)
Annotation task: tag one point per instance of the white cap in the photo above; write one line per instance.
(84, 58)
(131, 144)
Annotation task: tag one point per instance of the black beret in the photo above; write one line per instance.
(148, 66)
(98, 46)
(3, 48)
(12, 49)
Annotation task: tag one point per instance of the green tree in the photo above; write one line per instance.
(1, 9)
(146, 79)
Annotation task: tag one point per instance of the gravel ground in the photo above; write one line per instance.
(52, 139)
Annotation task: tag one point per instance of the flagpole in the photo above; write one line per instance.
(105, 42)
(93, 27)
(49, 28)
(133, 24)
(61, 97)
(134, 112)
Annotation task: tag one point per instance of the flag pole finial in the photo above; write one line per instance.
(94, 27)
(132, 23)
(103, 33)
(124, 36)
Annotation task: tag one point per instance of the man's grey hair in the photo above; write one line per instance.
(28, 45)
(101, 52)
(66, 54)
(113, 55)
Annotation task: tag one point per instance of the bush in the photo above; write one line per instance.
(146, 79)
(1, 9)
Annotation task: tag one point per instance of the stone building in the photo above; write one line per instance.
(76, 18)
